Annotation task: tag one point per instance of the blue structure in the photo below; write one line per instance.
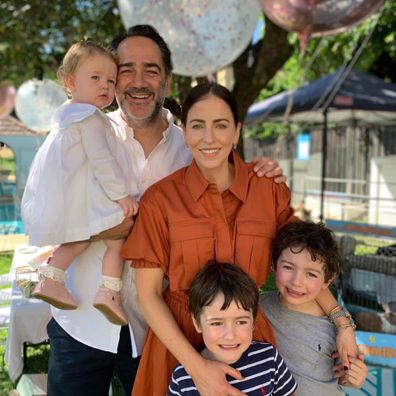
(24, 143)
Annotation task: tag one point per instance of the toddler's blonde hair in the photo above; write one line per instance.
(78, 52)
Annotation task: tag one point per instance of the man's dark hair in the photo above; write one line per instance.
(148, 32)
(317, 239)
(228, 279)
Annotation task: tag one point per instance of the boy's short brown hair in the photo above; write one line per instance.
(314, 237)
(228, 279)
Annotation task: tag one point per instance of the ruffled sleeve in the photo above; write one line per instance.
(148, 244)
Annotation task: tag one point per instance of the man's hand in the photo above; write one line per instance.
(120, 231)
(128, 205)
(212, 380)
(268, 168)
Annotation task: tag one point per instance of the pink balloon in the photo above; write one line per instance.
(7, 99)
(318, 17)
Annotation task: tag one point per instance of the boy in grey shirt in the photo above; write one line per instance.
(306, 260)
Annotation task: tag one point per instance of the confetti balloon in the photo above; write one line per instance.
(36, 101)
(7, 99)
(318, 17)
(203, 35)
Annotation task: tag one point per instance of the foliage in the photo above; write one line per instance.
(326, 54)
(41, 31)
(7, 165)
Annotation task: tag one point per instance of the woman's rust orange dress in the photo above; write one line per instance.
(183, 223)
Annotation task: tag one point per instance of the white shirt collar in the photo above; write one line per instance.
(117, 117)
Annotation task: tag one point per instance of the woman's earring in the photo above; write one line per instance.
(234, 146)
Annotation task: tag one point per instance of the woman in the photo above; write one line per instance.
(216, 209)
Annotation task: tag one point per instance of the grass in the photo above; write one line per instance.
(5, 262)
(37, 356)
(7, 162)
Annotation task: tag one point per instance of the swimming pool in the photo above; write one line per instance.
(11, 227)
(10, 219)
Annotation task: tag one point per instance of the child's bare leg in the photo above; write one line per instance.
(108, 299)
(113, 264)
(66, 253)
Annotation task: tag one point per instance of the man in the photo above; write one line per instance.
(85, 348)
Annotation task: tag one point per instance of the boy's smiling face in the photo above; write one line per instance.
(299, 279)
(226, 333)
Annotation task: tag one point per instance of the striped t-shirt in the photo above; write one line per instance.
(263, 369)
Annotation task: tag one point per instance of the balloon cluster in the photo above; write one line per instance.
(203, 35)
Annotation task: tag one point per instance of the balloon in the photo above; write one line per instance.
(203, 35)
(7, 99)
(36, 101)
(318, 17)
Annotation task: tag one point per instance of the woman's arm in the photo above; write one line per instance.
(208, 376)
(346, 340)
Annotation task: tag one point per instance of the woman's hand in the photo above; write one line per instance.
(269, 168)
(346, 339)
(210, 379)
(346, 345)
(208, 376)
(356, 373)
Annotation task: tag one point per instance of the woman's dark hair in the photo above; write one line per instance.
(228, 279)
(317, 239)
(201, 91)
(148, 32)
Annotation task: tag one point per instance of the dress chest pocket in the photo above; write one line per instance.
(192, 246)
(253, 251)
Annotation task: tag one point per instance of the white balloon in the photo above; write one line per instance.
(203, 35)
(36, 101)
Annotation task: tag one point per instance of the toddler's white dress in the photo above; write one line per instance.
(74, 179)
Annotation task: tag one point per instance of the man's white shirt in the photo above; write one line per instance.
(86, 324)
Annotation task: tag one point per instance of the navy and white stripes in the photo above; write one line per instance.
(263, 369)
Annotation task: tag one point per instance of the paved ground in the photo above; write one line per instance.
(8, 242)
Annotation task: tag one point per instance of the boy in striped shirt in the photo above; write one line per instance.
(223, 302)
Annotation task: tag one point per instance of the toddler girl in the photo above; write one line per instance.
(76, 192)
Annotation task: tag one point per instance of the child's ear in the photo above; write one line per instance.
(327, 284)
(196, 325)
(69, 82)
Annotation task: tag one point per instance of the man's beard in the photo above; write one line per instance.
(144, 120)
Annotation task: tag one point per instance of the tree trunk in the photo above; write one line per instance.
(269, 55)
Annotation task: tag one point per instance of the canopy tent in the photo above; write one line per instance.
(343, 97)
